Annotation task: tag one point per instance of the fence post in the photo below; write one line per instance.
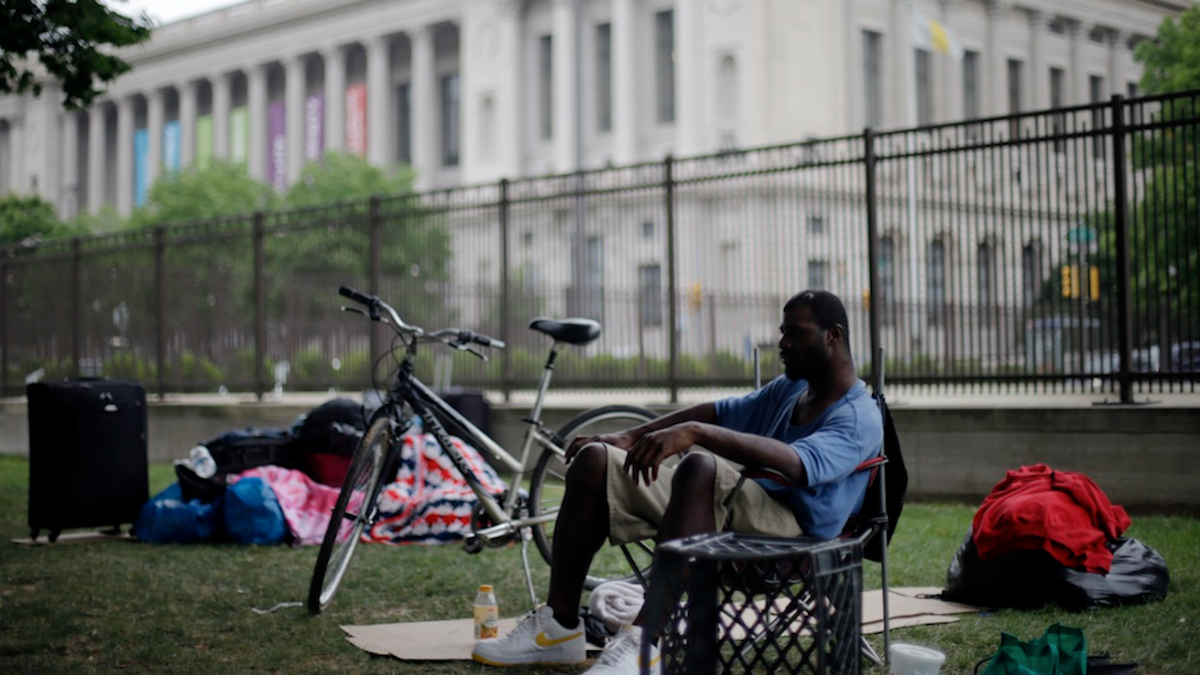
(672, 286)
(375, 268)
(260, 310)
(1121, 214)
(874, 301)
(76, 292)
(160, 310)
(506, 363)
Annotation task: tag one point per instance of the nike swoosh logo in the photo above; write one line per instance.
(543, 641)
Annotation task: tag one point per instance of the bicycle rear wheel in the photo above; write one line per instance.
(549, 484)
(354, 511)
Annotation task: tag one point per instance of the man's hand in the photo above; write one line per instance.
(652, 449)
(623, 439)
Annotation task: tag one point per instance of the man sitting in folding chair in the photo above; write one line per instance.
(813, 425)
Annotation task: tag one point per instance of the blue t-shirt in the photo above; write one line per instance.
(846, 434)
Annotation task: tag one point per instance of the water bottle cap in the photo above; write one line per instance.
(485, 588)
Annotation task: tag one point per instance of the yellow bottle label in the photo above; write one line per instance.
(487, 621)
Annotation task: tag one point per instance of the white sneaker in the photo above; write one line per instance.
(623, 655)
(537, 639)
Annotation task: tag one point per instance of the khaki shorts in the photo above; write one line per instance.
(635, 511)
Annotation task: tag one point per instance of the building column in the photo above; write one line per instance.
(997, 102)
(1076, 93)
(904, 80)
(96, 153)
(564, 85)
(1116, 62)
(1039, 72)
(335, 98)
(379, 137)
(187, 124)
(68, 203)
(689, 75)
(624, 80)
(221, 99)
(295, 82)
(952, 74)
(424, 107)
(125, 155)
(256, 86)
(510, 94)
(154, 130)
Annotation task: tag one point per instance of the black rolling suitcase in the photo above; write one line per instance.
(87, 454)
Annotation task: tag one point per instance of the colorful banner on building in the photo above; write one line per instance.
(277, 159)
(356, 119)
(171, 141)
(204, 141)
(239, 135)
(141, 152)
(314, 128)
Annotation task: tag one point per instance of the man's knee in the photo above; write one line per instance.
(695, 470)
(589, 464)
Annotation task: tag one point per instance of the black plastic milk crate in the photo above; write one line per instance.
(735, 603)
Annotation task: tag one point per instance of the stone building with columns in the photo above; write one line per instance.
(469, 91)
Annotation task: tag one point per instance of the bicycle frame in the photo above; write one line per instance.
(429, 406)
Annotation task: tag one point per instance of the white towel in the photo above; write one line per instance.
(616, 603)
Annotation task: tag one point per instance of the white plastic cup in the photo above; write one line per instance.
(905, 659)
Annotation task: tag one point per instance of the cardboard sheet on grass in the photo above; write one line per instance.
(453, 640)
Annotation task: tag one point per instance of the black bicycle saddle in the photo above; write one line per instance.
(571, 331)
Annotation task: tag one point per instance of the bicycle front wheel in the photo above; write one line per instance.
(354, 511)
(549, 484)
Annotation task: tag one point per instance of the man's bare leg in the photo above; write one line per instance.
(579, 532)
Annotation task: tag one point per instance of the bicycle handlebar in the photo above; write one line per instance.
(460, 336)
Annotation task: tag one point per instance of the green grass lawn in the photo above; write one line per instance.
(128, 607)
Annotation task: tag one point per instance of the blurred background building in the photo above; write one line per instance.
(469, 91)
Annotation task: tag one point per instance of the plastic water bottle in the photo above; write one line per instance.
(202, 462)
(487, 614)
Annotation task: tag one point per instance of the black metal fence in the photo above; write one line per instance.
(1056, 250)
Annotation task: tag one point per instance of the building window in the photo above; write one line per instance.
(887, 279)
(527, 239)
(450, 118)
(1031, 272)
(1096, 95)
(546, 87)
(818, 274)
(872, 99)
(935, 273)
(1058, 121)
(648, 229)
(664, 60)
(986, 269)
(1135, 110)
(1014, 93)
(924, 91)
(650, 310)
(970, 82)
(593, 295)
(404, 124)
(816, 224)
(604, 77)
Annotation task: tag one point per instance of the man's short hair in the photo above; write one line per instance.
(827, 309)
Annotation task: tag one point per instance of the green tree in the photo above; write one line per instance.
(29, 220)
(216, 190)
(72, 39)
(343, 177)
(1164, 226)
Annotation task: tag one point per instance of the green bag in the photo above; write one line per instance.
(1062, 650)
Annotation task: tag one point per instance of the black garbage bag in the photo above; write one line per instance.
(1030, 579)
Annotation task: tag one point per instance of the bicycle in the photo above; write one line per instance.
(517, 514)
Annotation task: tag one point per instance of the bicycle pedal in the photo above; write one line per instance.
(472, 545)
